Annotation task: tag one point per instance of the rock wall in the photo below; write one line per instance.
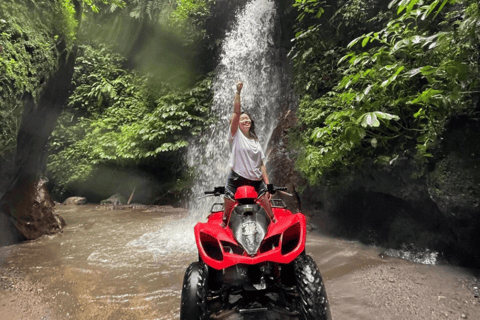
(394, 205)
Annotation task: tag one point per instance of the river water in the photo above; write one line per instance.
(108, 264)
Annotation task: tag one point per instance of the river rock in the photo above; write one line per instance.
(116, 199)
(75, 200)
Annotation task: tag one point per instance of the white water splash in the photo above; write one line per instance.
(248, 54)
(412, 253)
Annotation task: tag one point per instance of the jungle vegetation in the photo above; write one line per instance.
(379, 80)
(375, 79)
(125, 110)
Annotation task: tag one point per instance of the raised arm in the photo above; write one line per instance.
(236, 110)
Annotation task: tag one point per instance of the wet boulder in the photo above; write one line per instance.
(116, 200)
(32, 217)
(75, 201)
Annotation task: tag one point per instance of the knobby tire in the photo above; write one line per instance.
(312, 294)
(194, 293)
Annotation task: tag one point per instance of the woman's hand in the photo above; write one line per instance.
(265, 178)
(239, 86)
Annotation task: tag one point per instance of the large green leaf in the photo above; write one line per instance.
(370, 119)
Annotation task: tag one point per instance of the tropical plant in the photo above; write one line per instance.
(322, 33)
(397, 90)
(116, 118)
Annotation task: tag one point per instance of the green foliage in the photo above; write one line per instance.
(397, 90)
(31, 32)
(188, 19)
(64, 22)
(185, 9)
(95, 5)
(155, 41)
(322, 32)
(27, 58)
(306, 7)
(117, 118)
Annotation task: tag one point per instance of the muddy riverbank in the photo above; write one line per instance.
(129, 264)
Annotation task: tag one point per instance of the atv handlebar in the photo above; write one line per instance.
(217, 191)
(272, 189)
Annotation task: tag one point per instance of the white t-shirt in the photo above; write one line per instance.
(246, 156)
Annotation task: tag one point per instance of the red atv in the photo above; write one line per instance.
(252, 259)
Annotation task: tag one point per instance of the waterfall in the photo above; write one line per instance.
(248, 54)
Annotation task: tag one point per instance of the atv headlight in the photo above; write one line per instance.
(232, 248)
(211, 246)
(270, 243)
(291, 238)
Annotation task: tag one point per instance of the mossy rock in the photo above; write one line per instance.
(455, 186)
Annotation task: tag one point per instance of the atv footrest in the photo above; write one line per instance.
(227, 313)
(223, 314)
(285, 311)
(253, 310)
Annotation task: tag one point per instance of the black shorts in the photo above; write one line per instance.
(235, 180)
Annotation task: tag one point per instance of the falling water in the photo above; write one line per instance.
(248, 55)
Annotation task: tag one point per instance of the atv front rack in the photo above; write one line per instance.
(276, 203)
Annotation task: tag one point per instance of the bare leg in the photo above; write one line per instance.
(265, 203)
(228, 205)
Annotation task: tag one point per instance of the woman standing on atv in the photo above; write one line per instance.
(246, 157)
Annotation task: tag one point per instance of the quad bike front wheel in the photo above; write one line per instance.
(313, 302)
(194, 291)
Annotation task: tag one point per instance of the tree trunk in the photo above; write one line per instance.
(26, 210)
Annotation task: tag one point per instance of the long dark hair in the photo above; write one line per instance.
(252, 126)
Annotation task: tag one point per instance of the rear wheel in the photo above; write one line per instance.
(313, 300)
(194, 292)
